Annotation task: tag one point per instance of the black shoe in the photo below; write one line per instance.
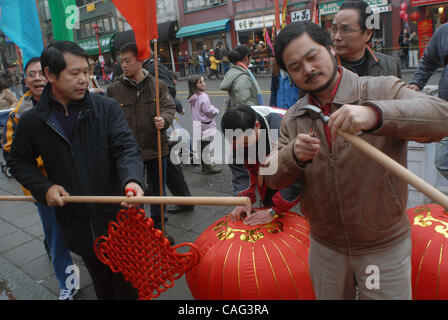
(180, 209)
(170, 239)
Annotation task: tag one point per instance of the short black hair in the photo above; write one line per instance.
(130, 47)
(295, 30)
(360, 6)
(30, 62)
(239, 53)
(53, 57)
(239, 117)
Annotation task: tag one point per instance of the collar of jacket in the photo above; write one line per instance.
(348, 92)
(43, 108)
(371, 57)
(128, 81)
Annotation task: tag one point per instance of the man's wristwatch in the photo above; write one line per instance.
(273, 214)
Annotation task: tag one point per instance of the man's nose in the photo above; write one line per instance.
(308, 68)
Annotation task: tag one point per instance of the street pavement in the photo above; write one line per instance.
(26, 272)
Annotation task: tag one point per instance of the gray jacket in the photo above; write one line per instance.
(241, 88)
(435, 55)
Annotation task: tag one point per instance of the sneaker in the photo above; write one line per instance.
(66, 294)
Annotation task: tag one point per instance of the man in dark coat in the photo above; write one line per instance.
(351, 31)
(88, 149)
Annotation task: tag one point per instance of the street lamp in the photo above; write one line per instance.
(96, 29)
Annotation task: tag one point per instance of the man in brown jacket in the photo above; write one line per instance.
(136, 92)
(360, 234)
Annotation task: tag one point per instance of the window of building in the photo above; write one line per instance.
(191, 5)
(107, 27)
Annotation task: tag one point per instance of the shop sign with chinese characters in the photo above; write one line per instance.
(300, 15)
(255, 23)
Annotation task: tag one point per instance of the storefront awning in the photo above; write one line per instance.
(204, 28)
(167, 32)
(90, 45)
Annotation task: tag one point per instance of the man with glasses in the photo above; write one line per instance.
(54, 239)
(350, 34)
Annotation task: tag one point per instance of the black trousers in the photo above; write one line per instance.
(175, 180)
(109, 285)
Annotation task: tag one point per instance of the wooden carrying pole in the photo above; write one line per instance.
(159, 140)
(396, 168)
(187, 201)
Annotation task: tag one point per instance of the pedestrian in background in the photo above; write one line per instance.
(203, 114)
(284, 92)
(435, 56)
(403, 41)
(181, 61)
(413, 50)
(239, 82)
(213, 65)
(351, 35)
(136, 92)
(7, 97)
(54, 239)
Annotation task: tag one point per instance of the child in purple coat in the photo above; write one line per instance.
(203, 114)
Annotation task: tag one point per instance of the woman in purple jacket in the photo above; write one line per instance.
(203, 114)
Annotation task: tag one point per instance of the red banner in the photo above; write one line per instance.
(425, 32)
(142, 17)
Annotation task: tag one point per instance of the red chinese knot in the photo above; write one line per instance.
(142, 254)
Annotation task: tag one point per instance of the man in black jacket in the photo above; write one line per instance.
(87, 148)
(351, 31)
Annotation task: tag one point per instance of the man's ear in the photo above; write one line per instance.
(368, 34)
(333, 52)
(51, 77)
(257, 124)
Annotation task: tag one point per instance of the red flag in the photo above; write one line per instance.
(315, 18)
(141, 16)
(285, 8)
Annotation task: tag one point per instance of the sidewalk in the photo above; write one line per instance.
(26, 272)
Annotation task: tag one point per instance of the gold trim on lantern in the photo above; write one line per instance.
(239, 282)
(289, 270)
(426, 221)
(223, 268)
(438, 270)
(420, 265)
(225, 232)
(255, 271)
(273, 272)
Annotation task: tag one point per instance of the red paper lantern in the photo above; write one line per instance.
(403, 6)
(401, 14)
(429, 225)
(240, 262)
(405, 18)
(415, 16)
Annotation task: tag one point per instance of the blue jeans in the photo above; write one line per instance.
(152, 180)
(441, 161)
(60, 254)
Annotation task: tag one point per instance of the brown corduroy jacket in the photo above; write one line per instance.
(352, 203)
(138, 102)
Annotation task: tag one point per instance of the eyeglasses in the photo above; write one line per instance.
(343, 29)
(33, 74)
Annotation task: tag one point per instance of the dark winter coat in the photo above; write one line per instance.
(100, 159)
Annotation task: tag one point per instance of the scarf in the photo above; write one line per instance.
(259, 95)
